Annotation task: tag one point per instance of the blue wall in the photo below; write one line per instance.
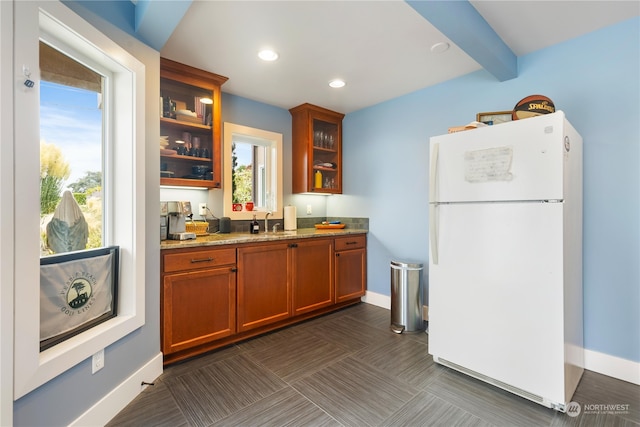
(594, 79)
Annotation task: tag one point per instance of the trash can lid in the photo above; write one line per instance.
(406, 265)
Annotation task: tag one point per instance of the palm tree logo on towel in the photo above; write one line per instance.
(79, 293)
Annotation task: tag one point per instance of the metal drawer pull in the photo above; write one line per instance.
(352, 243)
(193, 261)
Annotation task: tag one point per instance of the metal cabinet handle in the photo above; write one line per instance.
(352, 243)
(193, 261)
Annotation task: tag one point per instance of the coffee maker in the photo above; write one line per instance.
(164, 212)
(177, 214)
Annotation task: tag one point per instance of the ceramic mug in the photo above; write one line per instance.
(237, 207)
(248, 206)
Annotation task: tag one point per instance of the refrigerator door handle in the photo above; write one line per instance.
(433, 172)
(433, 208)
(433, 232)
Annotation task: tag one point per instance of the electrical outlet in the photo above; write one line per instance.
(309, 210)
(202, 209)
(97, 361)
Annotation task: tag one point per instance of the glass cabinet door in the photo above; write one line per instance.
(317, 150)
(190, 128)
(326, 163)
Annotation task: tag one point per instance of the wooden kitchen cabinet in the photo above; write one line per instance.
(316, 148)
(264, 285)
(311, 272)
(213, 296)
(350, 267)
(181, 90)
(198, 300)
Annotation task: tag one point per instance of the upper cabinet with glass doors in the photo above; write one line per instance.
(317, 150)
(190, 126)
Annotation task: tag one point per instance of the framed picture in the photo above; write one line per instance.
(494, 118)
(78, 290)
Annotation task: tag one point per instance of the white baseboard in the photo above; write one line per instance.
(605, 364)
(110, 405)
(612, 366)
(378, 300)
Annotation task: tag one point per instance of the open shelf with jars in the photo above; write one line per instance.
(317, 150)
(190, 126)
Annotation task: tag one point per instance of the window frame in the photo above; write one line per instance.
(272, 141)
(125, 136)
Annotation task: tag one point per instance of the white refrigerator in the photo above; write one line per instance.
(505, 256)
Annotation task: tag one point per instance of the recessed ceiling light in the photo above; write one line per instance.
(440, 47)
(207, 101)
(337, 83)
(268, 55)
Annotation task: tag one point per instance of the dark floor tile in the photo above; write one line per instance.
(194, 363)
(348, 368)
(371, 315)
(600, 394)
(487, 402)
(299, 356)
(354, 394)
(272, 339)
(600, 419)
(603, 401)
(283, 408)
(346, 332)
(153, 407)
(404, 357)
(222, 388)
(427, 410)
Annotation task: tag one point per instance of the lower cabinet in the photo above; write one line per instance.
(351, 267)
(198, 300)
(214, 297)
(264, 290)
(311, 273)
(280, 280)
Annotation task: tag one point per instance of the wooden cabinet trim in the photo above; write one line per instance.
(174, 262)
(351, 242)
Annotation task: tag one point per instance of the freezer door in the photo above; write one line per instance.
(496, 293)
(520, 160)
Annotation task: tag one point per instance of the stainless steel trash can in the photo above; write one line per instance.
(406, 297)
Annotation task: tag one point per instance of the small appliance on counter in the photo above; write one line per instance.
(164, 211)
(177, 214)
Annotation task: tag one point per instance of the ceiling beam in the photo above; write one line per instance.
(464, 26)
(155, 20)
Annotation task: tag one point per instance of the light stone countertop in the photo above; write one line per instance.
(217, 239)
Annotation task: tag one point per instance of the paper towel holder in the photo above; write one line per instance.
(290, 218)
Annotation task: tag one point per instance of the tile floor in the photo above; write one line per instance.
(348, 369)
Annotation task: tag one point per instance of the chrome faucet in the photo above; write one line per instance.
(266, 222)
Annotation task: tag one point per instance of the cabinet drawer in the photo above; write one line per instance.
(198, 259)
(351, 242)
